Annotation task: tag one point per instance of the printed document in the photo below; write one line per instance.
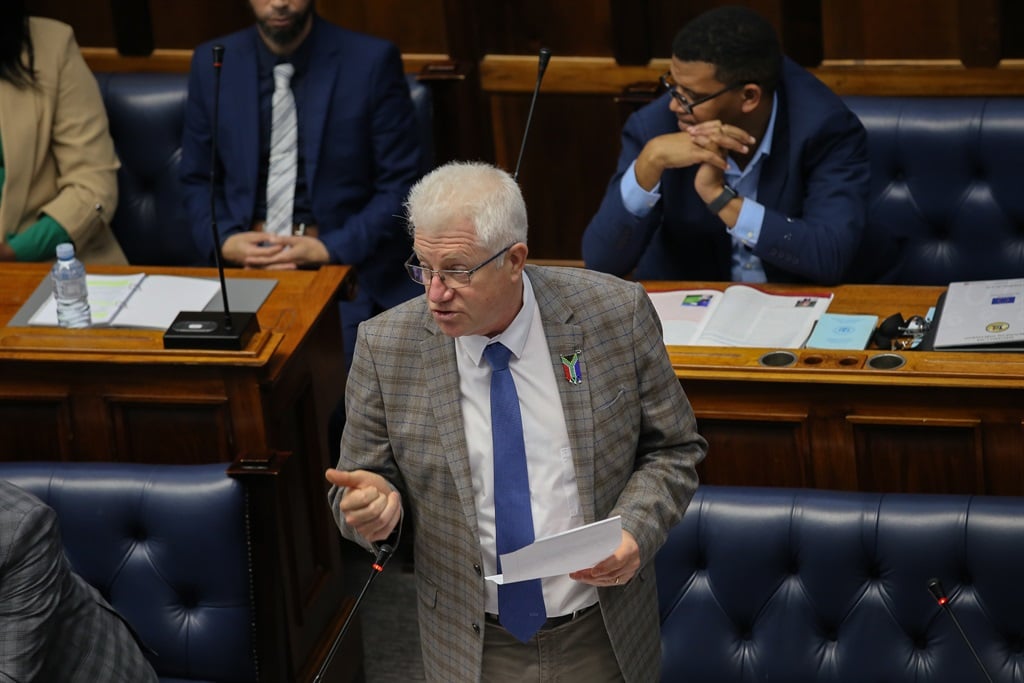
(738, 316)
(982, 313)
(147, 301)
(569, 551)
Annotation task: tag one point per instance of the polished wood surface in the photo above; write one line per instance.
(942, 422)
(118, 395)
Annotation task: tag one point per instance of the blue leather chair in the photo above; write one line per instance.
(946, 203)
(805, 586)
(167, 546)
(147, 114)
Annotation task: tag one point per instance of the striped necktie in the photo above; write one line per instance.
(521, 604)
(284, 154)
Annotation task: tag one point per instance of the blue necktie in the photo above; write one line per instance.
(520, 604)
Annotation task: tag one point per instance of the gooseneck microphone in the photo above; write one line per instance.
(542, 66)
(939, 593)
(209, 329)
(384, 552)
(218, 62)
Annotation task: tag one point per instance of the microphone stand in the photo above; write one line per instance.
(542, 65)
(939, 593)
(384, 553)
(225, 331)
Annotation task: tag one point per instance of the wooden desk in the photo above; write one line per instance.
(117, 394)
(942, 422)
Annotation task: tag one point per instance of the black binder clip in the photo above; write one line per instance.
(897, 333)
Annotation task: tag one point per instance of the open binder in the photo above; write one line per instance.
(980, 315)
(145, 301)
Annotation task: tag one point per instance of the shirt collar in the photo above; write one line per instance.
(764, 149)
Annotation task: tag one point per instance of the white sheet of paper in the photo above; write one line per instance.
(562, 553)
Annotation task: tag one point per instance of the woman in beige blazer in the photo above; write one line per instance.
(57, 161)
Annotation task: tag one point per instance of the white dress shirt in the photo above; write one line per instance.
(554, 498)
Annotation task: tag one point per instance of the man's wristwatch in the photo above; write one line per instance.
(728, 194)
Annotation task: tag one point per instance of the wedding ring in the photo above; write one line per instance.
(616, 579)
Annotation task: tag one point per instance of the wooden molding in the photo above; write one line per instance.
(602, 76)
(107, 59)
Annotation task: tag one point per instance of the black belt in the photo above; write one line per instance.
(552, 622)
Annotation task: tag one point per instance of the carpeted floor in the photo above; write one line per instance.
(391, 642)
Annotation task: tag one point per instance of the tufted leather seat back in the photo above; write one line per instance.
(946, 196)
(828, 587)
(147, 116)
(167, 546)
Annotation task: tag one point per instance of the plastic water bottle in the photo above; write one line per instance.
(70, 289)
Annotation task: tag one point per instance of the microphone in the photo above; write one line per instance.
(939, 593)
(225, 331)
(542, 66)
(384, 553)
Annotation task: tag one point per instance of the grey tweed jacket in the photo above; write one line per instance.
(633, 434)
(54, 627)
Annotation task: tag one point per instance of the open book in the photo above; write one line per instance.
(739, 316)
(148, 301)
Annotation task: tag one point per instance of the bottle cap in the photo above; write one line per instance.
(65, 251)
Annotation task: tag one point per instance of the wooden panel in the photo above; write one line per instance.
(926, 458)
(416, 26)
(567, 27)
(880, 29)
(747, 452)
(556, 179)
(175, 432)
(43, 428)
(175, 23)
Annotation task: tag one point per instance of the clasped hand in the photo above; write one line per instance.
(274, 252)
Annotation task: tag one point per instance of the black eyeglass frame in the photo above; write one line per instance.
(686, 104)
(448, 277)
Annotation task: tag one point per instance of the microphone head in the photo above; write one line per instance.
(545, 57)
(938, 592)
(218, 55)
(384, 553)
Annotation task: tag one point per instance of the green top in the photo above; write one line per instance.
(39, 241)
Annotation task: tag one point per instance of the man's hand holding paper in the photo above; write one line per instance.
(596, 554)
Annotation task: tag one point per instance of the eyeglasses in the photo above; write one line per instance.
(452, 279)
(687, 106)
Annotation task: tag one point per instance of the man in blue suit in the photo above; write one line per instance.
(747, 169)
(357, 153)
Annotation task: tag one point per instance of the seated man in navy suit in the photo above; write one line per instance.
(321, 178)
(747, 169)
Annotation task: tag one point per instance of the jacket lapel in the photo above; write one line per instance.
(441, 377)
(239, 116)
(565, 338)
(321, 81)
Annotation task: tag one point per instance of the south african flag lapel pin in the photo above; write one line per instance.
(571, 367)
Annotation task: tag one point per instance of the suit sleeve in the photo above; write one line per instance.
(83, 149)
(820, 243)
(615, 239)
(365, 435)
(30, 591)
(669, 448)
(396, 161)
